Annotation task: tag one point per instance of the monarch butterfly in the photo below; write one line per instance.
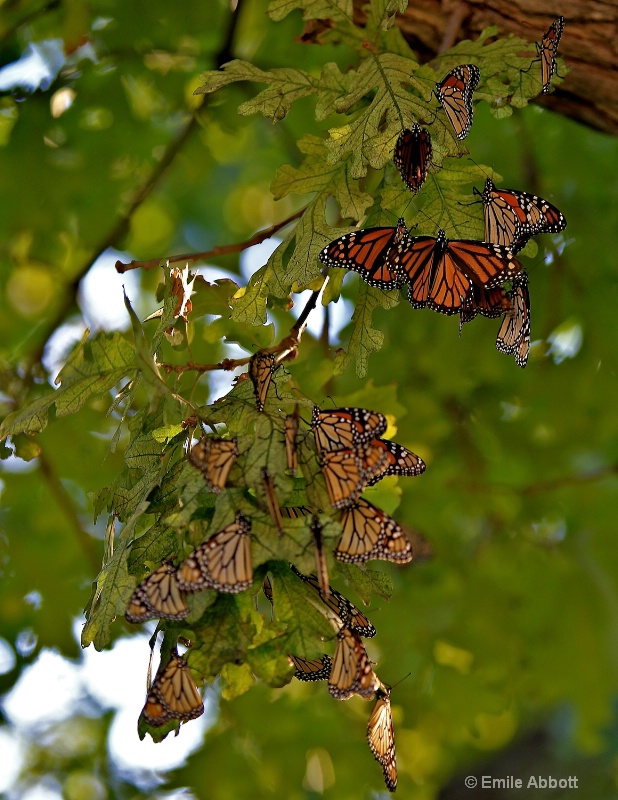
(412, 157)
(173, 695)
(370, 533)
(261, 370)
(267, 588)
(514, 333)
(365, 251)
(548, 50)
(440, 271)
(223, 562)
(490, 303)
(394, 460)
(351, 671)
(295, 512)
(214, 458)
(157, 597)
(340, 606)
(347, 472)
(315, 669)
(290, 427)
(270, 495)
(454, 93)
(512, 217)
(345, 428)
(321, 567)
(381, 737)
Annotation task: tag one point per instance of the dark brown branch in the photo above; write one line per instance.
(220, 250)
(64, 501)
(590, 92)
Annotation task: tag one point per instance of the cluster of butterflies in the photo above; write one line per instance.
(349, 672)
(351, 455)
(459, 276)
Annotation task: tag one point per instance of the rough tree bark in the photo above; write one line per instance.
(589, 44)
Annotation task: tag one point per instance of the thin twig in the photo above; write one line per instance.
(62, 497)
(220, 250)
(228, 364)
(121, 226)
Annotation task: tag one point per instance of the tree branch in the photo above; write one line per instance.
(121, 226)
(220, 250)
(64, 501)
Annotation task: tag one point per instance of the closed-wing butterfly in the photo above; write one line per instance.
(173, 694)
(351, 671)
(455, 92)
(365, 251)
(222, 562)
(214, 458)
(270, 495)
(412, 157)
(315, 669)
(157, 597)
(262, 367)
(548, 51)
(347, 472)
(338, 605)
(369, 533)
(291, 427)
(514, 334)
(321, 567)
(381, 737)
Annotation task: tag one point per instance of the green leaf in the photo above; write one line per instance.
(306, 626)
(339, 10)
(370, 138)
(94, 367)
(365, 339)
(112, 590)
(285, 86)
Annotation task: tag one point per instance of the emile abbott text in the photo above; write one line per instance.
(533, 782)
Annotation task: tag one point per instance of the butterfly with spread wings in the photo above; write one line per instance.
(369, 533)
(351, 671)
(339, 606)
(513, 217)
(455, 92)
(365, 251)
(440, 272)
(214, 458)
(381, 737)
(222, 562)
(345, 428)
(157, 597)
(412, 156)
(514, 334)
(173, 695)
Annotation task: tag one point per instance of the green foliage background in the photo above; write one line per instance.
(512, 626)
